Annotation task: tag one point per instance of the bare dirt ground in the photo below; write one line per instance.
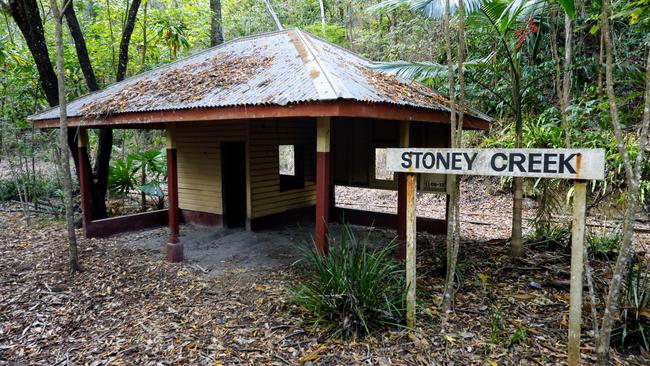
(230, 302)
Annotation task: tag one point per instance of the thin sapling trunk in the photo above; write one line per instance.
(456, 130)
(63, 140)
(633, 177)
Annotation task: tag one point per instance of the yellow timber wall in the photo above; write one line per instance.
(264, 177)
(199, 162)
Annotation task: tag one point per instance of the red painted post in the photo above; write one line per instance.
(322, 184)
(400, 251)
(84, 178)
(174, 245)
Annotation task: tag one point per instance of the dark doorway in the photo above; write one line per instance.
(233, 183)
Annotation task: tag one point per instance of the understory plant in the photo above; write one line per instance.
(605, 245)
(550, 235)
(356, 289)
(39, 187)
(633, 325)
(144, 171)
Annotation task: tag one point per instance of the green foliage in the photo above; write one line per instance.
(39, 187)
(633, 326)
(333, 32)
(500, 334)
(124, 175)
(173, 33)
(589, 128)
(551, 235)
(153, 164)
(497, 326)
(604, 244)
(357, 289)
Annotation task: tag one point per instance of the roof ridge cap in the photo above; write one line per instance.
(334, 90)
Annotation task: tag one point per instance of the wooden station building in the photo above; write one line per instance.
(230, 111)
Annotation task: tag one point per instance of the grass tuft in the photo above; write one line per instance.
(357, 289)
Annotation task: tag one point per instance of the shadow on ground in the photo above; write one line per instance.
(218, 250)
(215, 250)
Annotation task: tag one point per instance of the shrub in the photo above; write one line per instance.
(39, 187)
(633, 326)
(357, 289)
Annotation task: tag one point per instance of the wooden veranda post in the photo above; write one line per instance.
(411, 233)
(84, 178)
(577, 255)
(174, 246)
(322, 183)
(400, 251)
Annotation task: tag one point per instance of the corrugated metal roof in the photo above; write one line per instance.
(276, 68)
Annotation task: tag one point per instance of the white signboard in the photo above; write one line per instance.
(588, 164)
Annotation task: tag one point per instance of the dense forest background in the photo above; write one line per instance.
(166, 30)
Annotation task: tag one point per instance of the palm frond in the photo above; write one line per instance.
(434, 9)
(422, 71)
(419, 71)
(389, 5)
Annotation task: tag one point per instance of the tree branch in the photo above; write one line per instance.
(64, 8)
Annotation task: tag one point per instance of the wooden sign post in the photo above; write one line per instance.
(577, 164)
(577, 256)
(411, 234)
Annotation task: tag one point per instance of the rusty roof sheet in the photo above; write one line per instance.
(277, 68)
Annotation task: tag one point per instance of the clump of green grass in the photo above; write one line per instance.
(501, 334)
(550, 235)
(605, 245)
(356, 289)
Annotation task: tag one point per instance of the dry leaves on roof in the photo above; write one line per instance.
(183, 84)
(390, 87)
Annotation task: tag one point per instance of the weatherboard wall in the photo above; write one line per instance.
(199, 163)
(264, 177)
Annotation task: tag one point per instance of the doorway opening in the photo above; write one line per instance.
(233, 183)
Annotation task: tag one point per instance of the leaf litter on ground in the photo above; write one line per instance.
(129, 306)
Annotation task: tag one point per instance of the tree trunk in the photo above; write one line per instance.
(80, 45)
(633, 175)
(601, 59)
(143, 181)
(273, 15)
(143, 60)
(456, 132)
(28, 19)
(63, 140)
(567, 78)
(516, 243)
(123, 58)
(216, 28)
(563, 77)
